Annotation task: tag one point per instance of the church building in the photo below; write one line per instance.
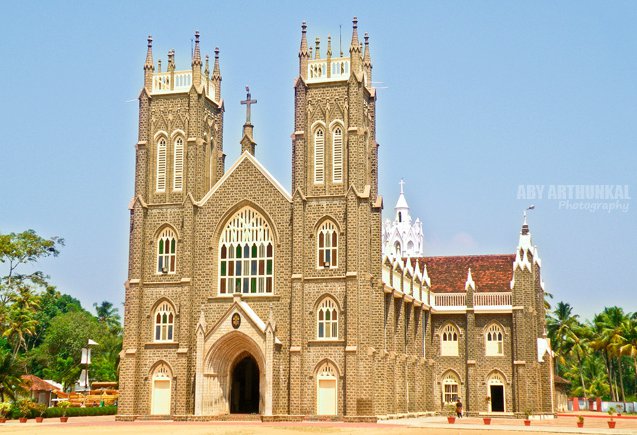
(244, 297)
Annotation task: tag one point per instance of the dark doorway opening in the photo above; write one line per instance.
(497, 398)
(244, 392)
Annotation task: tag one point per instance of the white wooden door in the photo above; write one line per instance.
(326, 397)
(161, 397)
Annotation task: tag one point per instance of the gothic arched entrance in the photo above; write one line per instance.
(244, 387)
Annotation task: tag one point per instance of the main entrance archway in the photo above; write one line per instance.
(244, 388)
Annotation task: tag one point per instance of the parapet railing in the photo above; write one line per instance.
(178, 81)
(332, 69)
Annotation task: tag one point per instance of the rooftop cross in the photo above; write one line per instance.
(248, 102)
(402, 185)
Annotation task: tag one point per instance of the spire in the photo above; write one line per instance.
(317, 53)
(196, 62)
(469, 282)
(171, 60)
(329, 46)
(216, 76)
(149, 68)
(367, 61)
(303, 52)
(402, 208)
(355, 48)
(206, 70)
(247, 141)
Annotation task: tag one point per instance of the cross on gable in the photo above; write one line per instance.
(248, 102)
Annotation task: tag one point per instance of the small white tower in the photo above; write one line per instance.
(402, 237)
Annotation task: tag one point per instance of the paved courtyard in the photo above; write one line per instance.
(594, 424)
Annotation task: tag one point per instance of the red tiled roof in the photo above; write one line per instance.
(36, 384)
(491, 273)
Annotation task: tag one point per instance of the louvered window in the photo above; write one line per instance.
(178, 167)
(319, 157)
(161, 165)
(337, 155)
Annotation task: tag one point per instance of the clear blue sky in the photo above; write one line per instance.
(476, 99)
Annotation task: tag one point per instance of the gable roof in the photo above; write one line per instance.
(36, 384)
(246, 156)
(491, 273)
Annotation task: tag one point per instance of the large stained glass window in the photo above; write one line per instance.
(246, 255)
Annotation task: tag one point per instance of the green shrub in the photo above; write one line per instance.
(70, 412)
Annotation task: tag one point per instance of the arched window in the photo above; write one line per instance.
(449, 341)
(327, 245)
(164, 322)
(327, 320)
(246, 254)
(319, 156)
(397, 249)
(450, 388)
(326, 390)
(494, 339)
(161, 165)
(337, 155)
(166, 252)
(178, 166)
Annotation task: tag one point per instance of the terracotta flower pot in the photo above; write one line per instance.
(64, 419)
(527, 422)
(3, 420)
(580, 424)
(23, 419)
(486, 420)
(451, 420)
(611, 424)
(39, 419)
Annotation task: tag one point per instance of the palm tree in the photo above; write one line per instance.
(560, 325)
(10, 380)
(108, 315)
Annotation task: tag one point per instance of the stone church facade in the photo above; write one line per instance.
(244, 297)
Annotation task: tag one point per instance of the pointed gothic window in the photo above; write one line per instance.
(450, 388)
(166, 252)
(327, 320)
(161, 165)
(319, 156)
(327, 246)
(337, 155)
(178, 166)
(246, 257)
(494, 341)
(449, 341)
(164, 322)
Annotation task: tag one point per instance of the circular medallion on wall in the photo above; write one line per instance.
(236, 320)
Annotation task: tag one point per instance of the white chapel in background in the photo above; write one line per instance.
(403, 237)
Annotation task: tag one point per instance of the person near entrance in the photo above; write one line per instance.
(459, 408)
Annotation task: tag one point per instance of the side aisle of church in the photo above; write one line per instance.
(246, 298)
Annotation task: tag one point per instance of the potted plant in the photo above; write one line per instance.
(5, 407)
(451, 413)
(24, 409)
(611, 422)
(64, 406)
(487, 401)
(40, 409)
(580, 421)
(527, 414)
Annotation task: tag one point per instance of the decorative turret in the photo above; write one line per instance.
(304, 55)
(216, 76)
(149, 68)
(402, 237)
(247, 141)
(526, 253)
(196, 62)
(355, 48)
(171, 60)
(367, 61)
